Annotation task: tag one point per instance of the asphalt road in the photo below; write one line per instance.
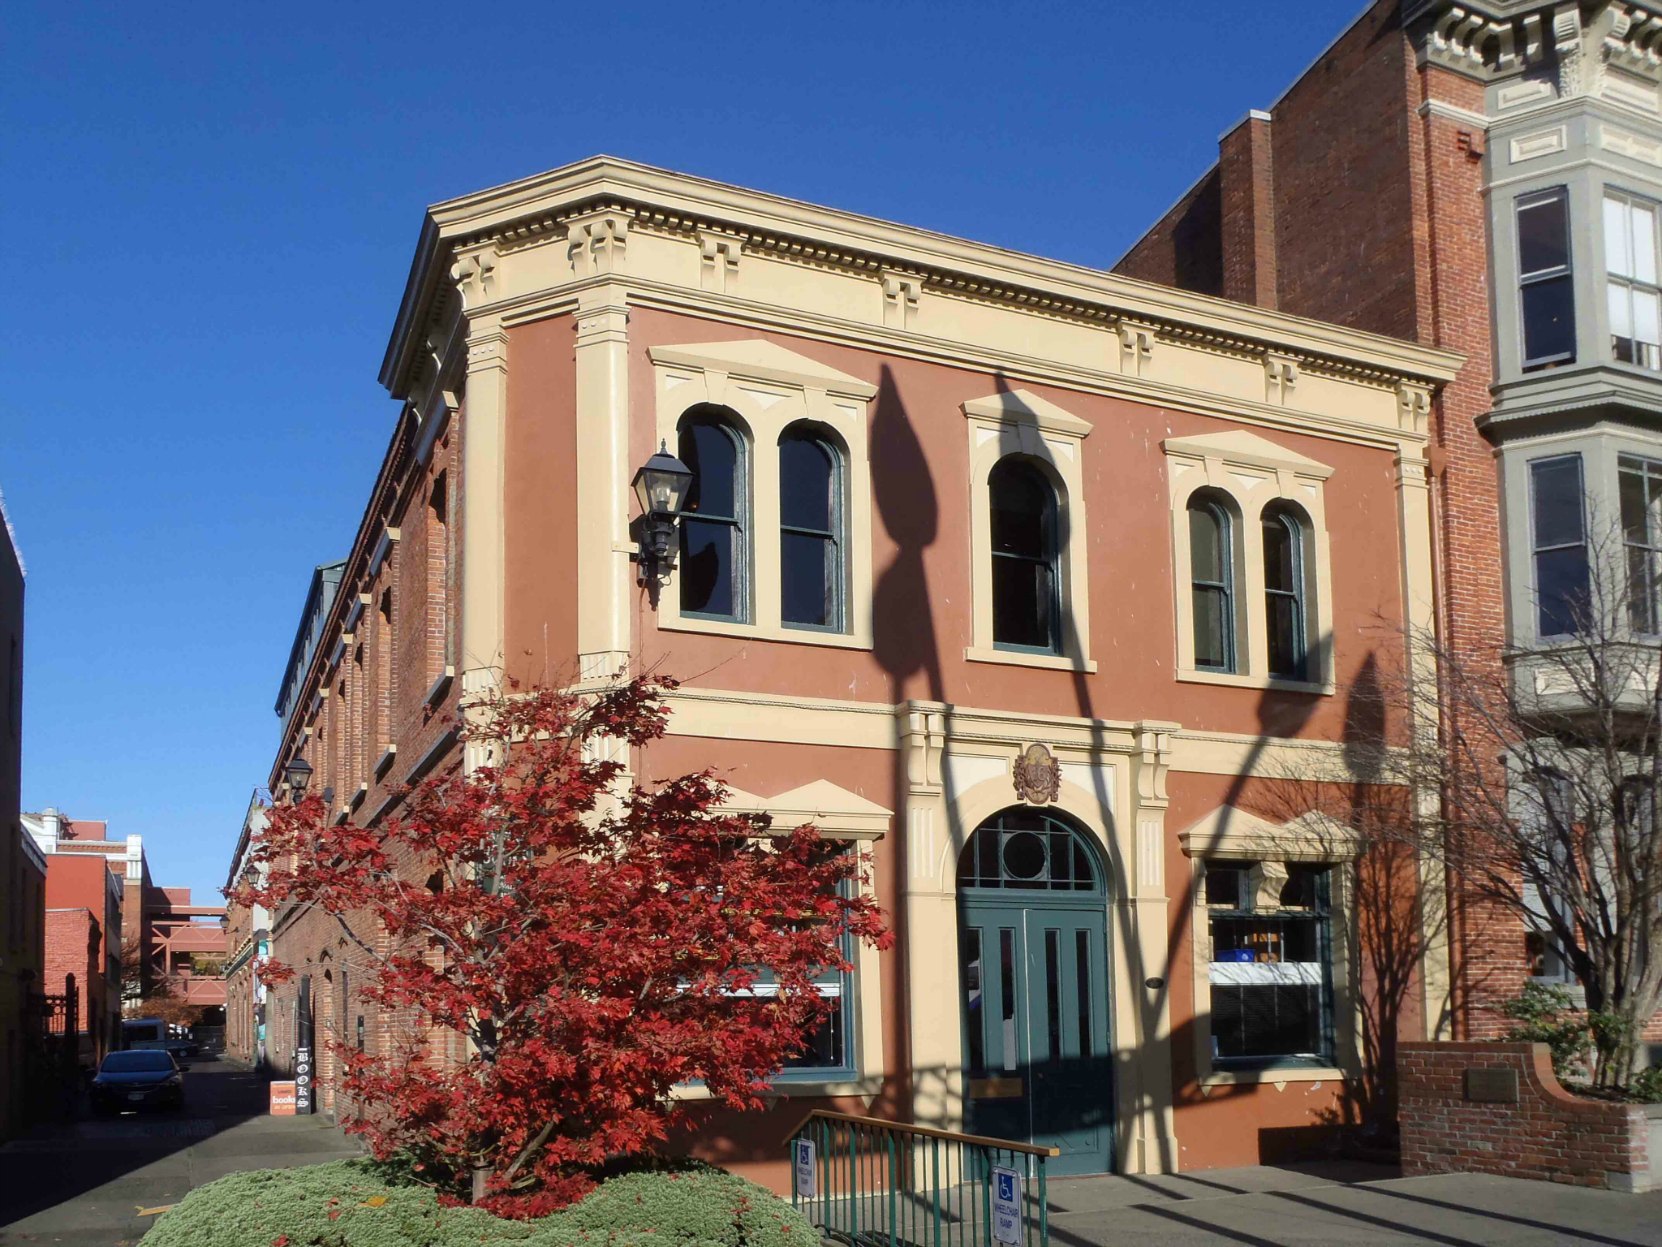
(98, 1182)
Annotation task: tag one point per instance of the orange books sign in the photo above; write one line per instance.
(282, 1099)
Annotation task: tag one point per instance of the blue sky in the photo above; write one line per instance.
(209, 212)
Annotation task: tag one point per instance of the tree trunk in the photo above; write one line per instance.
(481, 1182)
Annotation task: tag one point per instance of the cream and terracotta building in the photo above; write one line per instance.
(1040, 585)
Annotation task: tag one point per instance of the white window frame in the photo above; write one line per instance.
(1252, 472)
(765, 389)
(1623, 202)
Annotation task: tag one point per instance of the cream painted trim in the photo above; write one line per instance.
(1018, 422)
(1269, 841)
(645, 291)
(729, 715)
(1228, 679)
(836, 812)
(1275, 1077)
(540, 199)
(1252, 472)
(768, 389)
(1021, 658)
(1228, 832)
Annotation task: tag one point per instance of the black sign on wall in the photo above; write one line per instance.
(304, 1068)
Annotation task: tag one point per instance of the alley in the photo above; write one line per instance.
(93, 1182)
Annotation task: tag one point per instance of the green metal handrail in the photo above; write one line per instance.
(874, 1183)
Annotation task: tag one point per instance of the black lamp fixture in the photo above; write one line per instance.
(661, 485)
(298, 773)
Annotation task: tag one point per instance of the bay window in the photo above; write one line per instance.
(1634, 298)
(1546, 289)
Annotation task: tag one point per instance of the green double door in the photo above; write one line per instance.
(1037, 1057)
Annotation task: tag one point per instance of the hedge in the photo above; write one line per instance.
(355, 1203)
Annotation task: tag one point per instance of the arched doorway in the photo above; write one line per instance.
(1033, 954)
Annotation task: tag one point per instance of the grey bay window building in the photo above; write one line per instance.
(1573, 112)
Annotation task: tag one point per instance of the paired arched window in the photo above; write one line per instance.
(716, 538)
(1026, 547)
(811, 576)
(1215, 556)
(1212, 576)
(1285, 598)
(714, 549)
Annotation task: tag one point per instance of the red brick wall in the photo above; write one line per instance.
(73, 938)
(1246, 186)
(1185, 247)
(1548, 1135)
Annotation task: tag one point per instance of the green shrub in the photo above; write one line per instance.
(688, 1206)
(1646, 1086)
(357, 1203)
(1546, 1014)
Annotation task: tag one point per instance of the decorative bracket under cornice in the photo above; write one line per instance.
(901, 293)
(1413, 408)
(1136, 346)
(1280, 376)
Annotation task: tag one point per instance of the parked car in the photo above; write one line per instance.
(143, 1078)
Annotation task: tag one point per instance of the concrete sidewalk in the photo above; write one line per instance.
(89, 1182)
(1343, 1203)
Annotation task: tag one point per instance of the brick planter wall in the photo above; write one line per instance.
(1497, 1108)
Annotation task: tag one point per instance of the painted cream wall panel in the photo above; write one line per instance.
(667, 257)
(1224, 375)
(1360, 402)
(788, 284)
(528, 270)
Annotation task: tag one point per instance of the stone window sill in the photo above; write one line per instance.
(1017, 658)
(1232, 679)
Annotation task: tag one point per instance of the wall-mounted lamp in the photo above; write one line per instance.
(298, 773)
(661, 486)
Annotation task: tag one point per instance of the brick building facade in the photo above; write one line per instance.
(178, 947)
(925, 393)
(1388, 189)
(83, 900)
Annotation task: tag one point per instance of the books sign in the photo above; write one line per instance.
(282, 1099)
(1006, 1205)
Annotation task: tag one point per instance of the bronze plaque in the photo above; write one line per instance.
(1492, 1085)
(995, 1088)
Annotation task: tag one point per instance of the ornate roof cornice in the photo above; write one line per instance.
(1488, 39)
(547, 208)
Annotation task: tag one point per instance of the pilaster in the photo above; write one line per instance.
(931, 922)
(1419, 605)
(1143, 966)
(602, 416)
(484, 566)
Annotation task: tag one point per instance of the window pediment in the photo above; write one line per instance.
(1026, 407)
(756, 360)
(1229, 832)
(1241, 449)
(837, 812)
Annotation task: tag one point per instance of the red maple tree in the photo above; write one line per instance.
(595, 947)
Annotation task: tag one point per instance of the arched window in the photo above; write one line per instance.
(714, 546)
(1030, 849)
(1285, 594)
(810, 531)
(1026, 583)
(1212, 575)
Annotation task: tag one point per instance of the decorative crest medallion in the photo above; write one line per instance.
(1037, 775)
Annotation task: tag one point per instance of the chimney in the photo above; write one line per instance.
(1246, 190)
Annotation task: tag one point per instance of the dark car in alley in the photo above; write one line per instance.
(136, 1079)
